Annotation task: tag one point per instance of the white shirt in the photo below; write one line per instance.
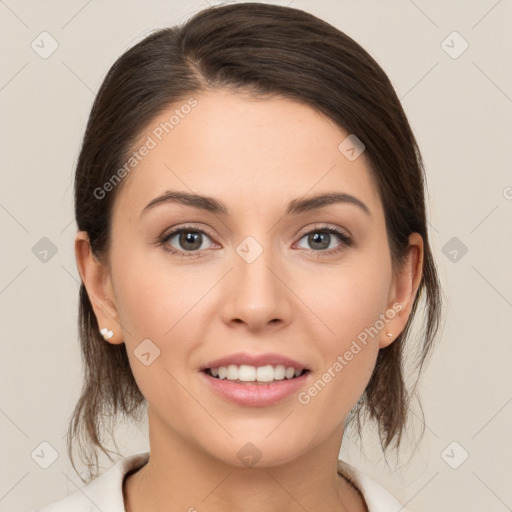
(105, 492)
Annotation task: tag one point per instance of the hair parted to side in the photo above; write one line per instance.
(263, 50)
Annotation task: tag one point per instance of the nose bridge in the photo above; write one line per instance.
(257, 295)
(254, 260)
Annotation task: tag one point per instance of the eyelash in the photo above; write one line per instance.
(345, 240)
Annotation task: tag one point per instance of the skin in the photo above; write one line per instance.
(255, 156)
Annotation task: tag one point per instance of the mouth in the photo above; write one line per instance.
(255, 386)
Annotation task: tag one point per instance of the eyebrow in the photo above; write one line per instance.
(215, 206)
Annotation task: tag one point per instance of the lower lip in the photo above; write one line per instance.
(256, 395)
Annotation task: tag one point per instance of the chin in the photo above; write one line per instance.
(259, 451)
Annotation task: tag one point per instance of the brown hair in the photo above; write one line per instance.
(259, 49)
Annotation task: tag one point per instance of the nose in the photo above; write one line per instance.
(256, 293)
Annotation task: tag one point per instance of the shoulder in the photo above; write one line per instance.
(377, 498)
(105, 492)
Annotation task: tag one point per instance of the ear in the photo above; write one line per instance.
(97, 281)
(403, 290)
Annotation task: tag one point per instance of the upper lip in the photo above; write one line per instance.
(240, 358)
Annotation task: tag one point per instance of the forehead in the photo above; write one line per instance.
(246, 151)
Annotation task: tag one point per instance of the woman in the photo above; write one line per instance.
(252, 243)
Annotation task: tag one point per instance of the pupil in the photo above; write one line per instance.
(314, 239)
(191, 237)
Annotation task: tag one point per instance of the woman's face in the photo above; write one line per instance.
(259, 280)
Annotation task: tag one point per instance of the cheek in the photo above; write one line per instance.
(154, 295)
(351, 302)
(160, 303)
(347, 299)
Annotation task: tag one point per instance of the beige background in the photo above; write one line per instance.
(461, 112)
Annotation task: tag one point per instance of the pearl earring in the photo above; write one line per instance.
(106, 333)
(390, 335)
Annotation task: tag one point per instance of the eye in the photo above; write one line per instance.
(320, 239)
(189, 240)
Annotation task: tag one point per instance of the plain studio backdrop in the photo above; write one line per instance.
(450, 65)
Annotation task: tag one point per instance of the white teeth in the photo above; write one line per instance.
(232, 372)
(268, 373)
(289, 373)
(247, 373)
(279, 372)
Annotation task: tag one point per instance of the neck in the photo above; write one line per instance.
(181, 476)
